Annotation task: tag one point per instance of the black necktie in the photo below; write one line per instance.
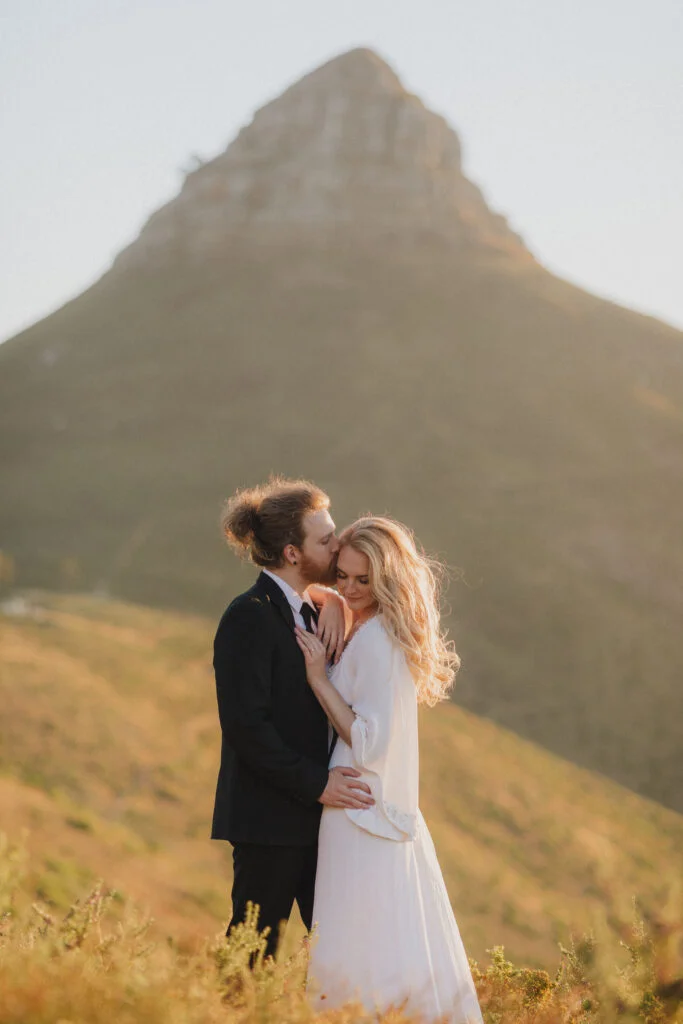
(310, 616)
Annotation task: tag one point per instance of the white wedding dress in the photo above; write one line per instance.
(384, 930)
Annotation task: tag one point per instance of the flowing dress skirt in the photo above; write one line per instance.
(384, 929)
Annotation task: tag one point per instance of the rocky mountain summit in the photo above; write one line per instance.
(344, 147)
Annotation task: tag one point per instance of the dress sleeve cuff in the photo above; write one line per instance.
(383, 818)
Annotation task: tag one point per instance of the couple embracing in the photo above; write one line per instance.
(318, 690)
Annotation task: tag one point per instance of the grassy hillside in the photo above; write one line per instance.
(530, 433)
(109, 746)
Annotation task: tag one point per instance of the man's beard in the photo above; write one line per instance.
(326, 576)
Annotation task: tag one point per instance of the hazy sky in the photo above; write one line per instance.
(570, 113)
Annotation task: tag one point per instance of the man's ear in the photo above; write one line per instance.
(291, 554)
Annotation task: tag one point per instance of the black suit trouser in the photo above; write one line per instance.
(273, 877)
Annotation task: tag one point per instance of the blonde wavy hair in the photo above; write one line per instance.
(406, 584)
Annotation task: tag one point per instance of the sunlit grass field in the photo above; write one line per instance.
(564, 884)
(90, 964)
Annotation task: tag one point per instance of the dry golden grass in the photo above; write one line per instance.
(109, 746)
(93, 966)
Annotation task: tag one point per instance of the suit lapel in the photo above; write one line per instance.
(273, 593)
(267, 588)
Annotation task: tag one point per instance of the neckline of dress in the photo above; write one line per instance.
(360, 629)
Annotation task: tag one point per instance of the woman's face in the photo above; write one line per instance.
(353, 580)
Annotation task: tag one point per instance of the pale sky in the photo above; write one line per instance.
(570, 113)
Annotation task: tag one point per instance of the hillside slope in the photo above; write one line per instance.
(332, 297)
(109, 749)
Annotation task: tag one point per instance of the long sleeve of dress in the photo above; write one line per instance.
(384, 734)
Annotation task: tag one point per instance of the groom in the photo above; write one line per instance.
(273, 779)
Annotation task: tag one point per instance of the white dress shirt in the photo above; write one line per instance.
(295, 602)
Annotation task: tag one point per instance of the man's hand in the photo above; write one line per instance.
(343, 791)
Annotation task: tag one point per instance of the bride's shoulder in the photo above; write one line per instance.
(374, 634)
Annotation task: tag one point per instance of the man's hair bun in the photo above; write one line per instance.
(261, 521)
(240, 519)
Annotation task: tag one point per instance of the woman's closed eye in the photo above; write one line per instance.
(363, 580)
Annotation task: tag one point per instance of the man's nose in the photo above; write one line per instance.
(335, 545)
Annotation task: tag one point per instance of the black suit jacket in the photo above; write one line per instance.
(274, 752)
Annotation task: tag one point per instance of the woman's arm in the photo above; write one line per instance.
(334, 621)
(319, 594)
(334, 706)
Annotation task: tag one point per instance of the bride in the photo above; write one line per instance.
(384, 930)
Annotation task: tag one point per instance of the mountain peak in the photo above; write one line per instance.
(346, 148)
(358, 69)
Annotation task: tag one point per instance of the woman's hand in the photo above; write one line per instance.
(339, 713)
(315, 654)
(332, 621)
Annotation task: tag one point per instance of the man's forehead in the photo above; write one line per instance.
(319, 523)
